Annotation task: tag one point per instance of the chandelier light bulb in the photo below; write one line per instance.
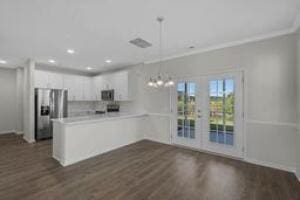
(155, 85)
(170, 82)
(159, 81)
(150, 83)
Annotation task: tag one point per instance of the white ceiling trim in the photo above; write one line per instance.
(231, 44)
(296, 24)
(8, 67)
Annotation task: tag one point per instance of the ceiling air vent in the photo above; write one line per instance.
(139, 42)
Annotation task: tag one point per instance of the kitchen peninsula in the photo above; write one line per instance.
(79, 138)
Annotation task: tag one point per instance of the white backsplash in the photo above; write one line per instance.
(81, 108)
(80, 105)
(100, 105)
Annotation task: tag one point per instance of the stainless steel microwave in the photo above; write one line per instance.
(107, 95)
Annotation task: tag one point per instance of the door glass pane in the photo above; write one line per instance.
(213, 110)
(180, 127)
(186, 128)
(186, 109)
(229, 110)
(191, 108)
(192, 128)
(221, 103)
(180, 98)
(220, 117)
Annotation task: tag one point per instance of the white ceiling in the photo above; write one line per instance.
(100, 29)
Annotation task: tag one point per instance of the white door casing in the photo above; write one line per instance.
(203, 135)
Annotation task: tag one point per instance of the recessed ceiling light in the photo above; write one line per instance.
(3, 61)
(51, 61)
(90, 68)
(108, 61)
(71, 51)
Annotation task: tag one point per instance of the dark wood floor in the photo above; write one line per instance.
(145, 170)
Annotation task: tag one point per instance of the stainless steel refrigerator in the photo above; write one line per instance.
(49, 104)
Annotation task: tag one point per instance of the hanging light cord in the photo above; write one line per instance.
(160, 20)
(159, 80)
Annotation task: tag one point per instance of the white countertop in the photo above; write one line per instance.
(97, 118)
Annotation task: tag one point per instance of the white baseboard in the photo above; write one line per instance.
(28, 140)
(19, 132)
(12, 131)
(7, 132)
(271, 165)
(58, 160)
(158, 141)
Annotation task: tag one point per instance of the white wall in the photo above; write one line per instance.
(270, 97)
(298, 128)
(7, 100)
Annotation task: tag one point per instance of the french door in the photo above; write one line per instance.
(187, 120)
(208, 113)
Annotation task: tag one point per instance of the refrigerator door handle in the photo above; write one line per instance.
(52, 104)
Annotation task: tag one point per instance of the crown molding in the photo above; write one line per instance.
(296, 24)
(294, 28)
(8, 67)
(228, 44)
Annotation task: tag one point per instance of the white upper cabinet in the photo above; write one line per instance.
(107, 82)
(79, 88)
(84, 88)
(88, 93)
(98, 86)
(70, 85)
(120, 82)
(55, 80)
(40, 79)
(45, 79)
